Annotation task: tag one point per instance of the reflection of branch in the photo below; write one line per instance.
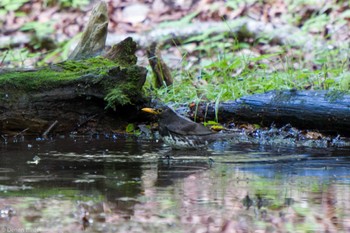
(20, 133)
(5, 139)
(49, 129)
(85, 121)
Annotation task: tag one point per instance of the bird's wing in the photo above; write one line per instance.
(185, 126)
(189, 128)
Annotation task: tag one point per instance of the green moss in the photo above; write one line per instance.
(116, 96)
(123, 53)
(130, 87)
(87, 65)
(120, 85)
(48, 77)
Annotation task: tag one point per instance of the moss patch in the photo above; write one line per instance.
(118, 84)
(130, 87)
(49, 77)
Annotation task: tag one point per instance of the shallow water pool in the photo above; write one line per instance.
(94, 184)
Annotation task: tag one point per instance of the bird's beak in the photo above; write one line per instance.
(150, 110)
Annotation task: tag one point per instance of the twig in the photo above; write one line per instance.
(85, 121)
(20, 133)
(5, 139)
(5, 55)
(49, 129)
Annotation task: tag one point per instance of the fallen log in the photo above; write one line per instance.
(325, 111)
(68, 93)
(85, 88)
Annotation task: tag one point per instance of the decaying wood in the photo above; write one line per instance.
(67, 101)
(75, 90)
(92, 41)
(326, 111)
(70, 101)
(123, 53)
(160, 70)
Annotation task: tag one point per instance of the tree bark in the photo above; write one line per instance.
(93, 39)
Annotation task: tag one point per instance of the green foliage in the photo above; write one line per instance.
(68, 3)
(11, 5)
(47, 76)
(41, 33)
(41, 29)
(115, 97)
(17, 57)
(228, 71)
(316, 23)
(131, 129)
(61, 53)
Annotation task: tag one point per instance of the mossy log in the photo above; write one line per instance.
(70, 93)
(325, 111)
(105, 90)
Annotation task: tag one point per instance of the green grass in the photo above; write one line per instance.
(229, 70)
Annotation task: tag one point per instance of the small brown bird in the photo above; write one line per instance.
(180, 132)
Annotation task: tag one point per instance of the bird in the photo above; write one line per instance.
(180, 132)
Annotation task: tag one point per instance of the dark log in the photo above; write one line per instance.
(325, 111)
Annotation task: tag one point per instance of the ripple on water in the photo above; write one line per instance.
(5, 169)
(33, 179)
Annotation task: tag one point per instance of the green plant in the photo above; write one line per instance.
(131, 129)
(228, 73)
(10, 5)
(39, 28)
(115, 97)
(61, 53)
(17, 57)
(67, 3)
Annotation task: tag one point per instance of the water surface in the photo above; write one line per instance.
(124, 185)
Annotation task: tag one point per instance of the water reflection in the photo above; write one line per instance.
(104, 185)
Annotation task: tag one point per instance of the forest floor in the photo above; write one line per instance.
(41, 30)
